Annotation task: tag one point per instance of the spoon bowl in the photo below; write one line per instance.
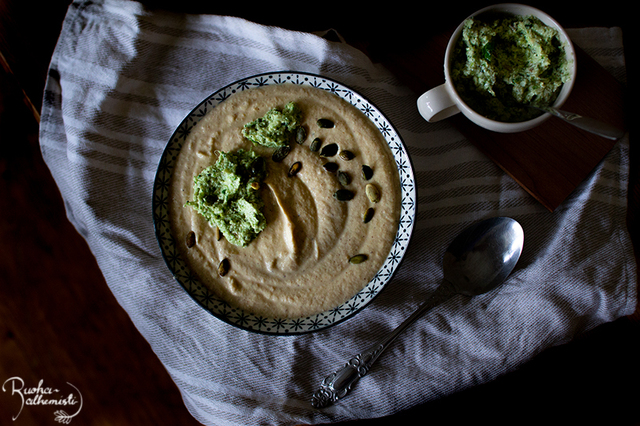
(483, 255)
(478, 260)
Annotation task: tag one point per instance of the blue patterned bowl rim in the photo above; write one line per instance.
(277, 326)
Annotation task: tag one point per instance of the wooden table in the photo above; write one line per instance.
(60, 323)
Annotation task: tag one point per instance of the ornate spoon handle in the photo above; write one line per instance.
(339, 383)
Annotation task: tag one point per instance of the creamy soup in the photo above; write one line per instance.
(328, 227)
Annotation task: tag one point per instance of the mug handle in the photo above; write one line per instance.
(436, 104)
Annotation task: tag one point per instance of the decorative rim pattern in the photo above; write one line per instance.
(235, 316)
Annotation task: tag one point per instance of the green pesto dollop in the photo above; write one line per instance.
(503, 63)
(275, 128)
(227, 195)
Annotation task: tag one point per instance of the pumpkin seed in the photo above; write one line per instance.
(223, 268)
(191, 239)
(368, 215)
(295, 168)
(280, 153)
(347, 155)
(344, 178)
(372, 192)
(358, 258)
(343, 195)
(301, 135)
(367, 172)
(315, 145)
(325, 123)
(329, 150)
(257, 166)
(331, 166)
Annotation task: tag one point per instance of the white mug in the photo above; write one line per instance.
(443, 101)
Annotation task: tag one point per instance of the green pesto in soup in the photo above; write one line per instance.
(275, 128)
(503, 63)
(227, 195)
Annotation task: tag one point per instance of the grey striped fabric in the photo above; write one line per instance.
(122, 78)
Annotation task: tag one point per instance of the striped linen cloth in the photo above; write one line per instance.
(121, 80)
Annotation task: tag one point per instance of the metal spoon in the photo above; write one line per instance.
(477, 261)
(585, 123)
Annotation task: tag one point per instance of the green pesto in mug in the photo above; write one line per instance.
(502, 63)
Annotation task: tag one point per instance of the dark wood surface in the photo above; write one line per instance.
(60, 323)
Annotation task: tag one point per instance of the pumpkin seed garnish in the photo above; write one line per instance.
(191, 239)
(358, 258)
(223, 268)
(325, 123)
(280, 153)
(295, 168)
(329, 150)
(331, 166)
(257, 166)
(343, 195)
(347, 155)
(344, 178)
(367, 172)
(368, 215)
(372, 192)
(301, 135)
(315, 145)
